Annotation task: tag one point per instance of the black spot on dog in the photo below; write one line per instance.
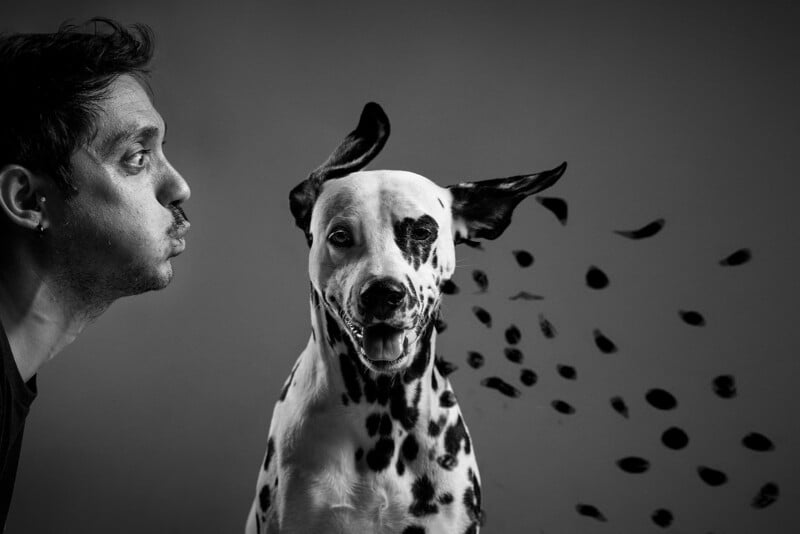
(475, 359)
(385, 428)
(757, 442)
(500, 385)
(633, 464)
(414, 529)
(724, 386)
(447, 462)
(481, 279)
(345, 399)
(662, 517)
(513, 335)
(264, 499)
(513, 354)
(449, 287)
(454, 436)
(766, 496)
(434, 429)
(439, 325)
(618, 403)
(350, 376)
(447, 399)
(270, 453)
(334, 332)
(410, 448)
(379, 457)
(446, 498)
(547, 328)
(373, 421)
(692, 318)
(605, 345)
(424, 494)
(562, 407)
(674, 438)
(648, 230)
(557, 206)
(739, 257)
(712, 477)
(434, 381)
(444, 367)
(527, 377)
(523, 257)
(482, 315)
(661, 399)
(406, 414)
(596, 279)
(590, 511)
(422, 357)
(472, 502)
(359, 454)
(415, 238)
(435, 259)
(524, 295)
(400, 467)
(287, 384)
(567, 372)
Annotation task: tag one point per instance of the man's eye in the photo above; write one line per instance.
(340, 238)
(421, 233)
(138, 160)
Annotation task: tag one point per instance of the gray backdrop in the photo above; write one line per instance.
(155, 420)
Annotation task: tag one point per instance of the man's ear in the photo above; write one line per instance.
(22, 197)
(482, 210)
(353, 154)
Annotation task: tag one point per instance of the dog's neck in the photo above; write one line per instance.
(340, 376)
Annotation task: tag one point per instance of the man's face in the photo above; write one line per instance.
(116, 236)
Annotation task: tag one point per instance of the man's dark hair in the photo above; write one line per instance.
(51, 85)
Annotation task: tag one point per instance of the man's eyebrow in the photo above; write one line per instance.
(130, 133)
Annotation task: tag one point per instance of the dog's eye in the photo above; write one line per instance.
(421, 233)
(340, 237)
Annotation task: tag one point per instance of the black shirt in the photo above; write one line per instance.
(16, 397)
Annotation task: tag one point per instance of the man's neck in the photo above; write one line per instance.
(39, 317)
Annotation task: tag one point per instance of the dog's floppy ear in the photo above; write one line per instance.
(482, 210)
(353, 154)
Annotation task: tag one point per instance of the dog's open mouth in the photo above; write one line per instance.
(382, 344)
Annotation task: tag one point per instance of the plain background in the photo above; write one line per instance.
(155, 420)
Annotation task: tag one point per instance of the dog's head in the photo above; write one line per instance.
(383, 242)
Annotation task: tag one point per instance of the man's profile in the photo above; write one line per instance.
(90, 208)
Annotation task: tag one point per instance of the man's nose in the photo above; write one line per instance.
(382, 297)
(173, 188)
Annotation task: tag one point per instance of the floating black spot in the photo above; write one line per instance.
(449, 287)
(447, 461)
(414, 529)
(618, 403)
(692, 318)
(424, 494)
(633, 464)
(523, 257)
(674, 438)
(447, 399)
(482, 315)
(567, 372)
(596, 279)
(662, 517)
(739, 257)
(524, 295)
(446, 498)
(712, 477)
(527, 377)
(410, 448)
(475, 359)
(766, 496)
(605, 345)
(562, 407)
(757, 442)
(557, 206)
(661, 399)
(648, 230)
(379, 458)
(513, 354)
(725, 386)
(444, 367)
(500, 385)
(373, 422)
(513, 335)
(264, 499)
(590, 511)
(439, 325)
(481, 279)
(547, 328)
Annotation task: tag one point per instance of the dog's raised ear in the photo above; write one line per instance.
(482, 210)
(353, 154)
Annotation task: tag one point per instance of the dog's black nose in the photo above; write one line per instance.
(382, 297)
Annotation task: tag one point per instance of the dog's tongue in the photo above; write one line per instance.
(383, 343)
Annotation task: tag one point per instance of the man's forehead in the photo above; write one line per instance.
(127, 111)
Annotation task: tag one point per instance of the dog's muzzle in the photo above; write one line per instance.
(385, 338)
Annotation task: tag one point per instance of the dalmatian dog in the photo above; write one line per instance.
(367, 436)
